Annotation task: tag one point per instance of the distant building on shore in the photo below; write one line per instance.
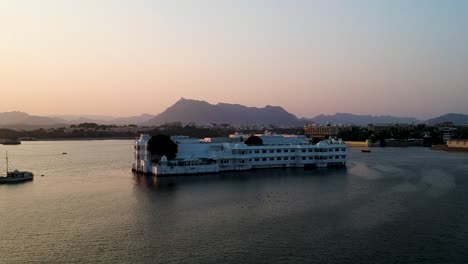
(461, 144)
(448, 130)
(453, 144)
(378, 128)
(321, 132)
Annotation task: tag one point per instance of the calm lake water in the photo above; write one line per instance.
(394, 205)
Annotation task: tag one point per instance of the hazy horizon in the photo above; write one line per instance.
(125, 58)
(110, 117)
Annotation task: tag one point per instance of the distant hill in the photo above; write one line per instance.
(131, 120)
(457, 119)
(12, 117)
(360, 120)
(84, 118)
(21, 120)
(79, 119)
(105, 120)
(201, 112)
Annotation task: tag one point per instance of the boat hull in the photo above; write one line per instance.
(17, 177)
(9, 180)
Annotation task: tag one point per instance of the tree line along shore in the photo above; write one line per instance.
(92, 131)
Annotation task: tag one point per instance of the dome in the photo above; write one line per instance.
(322, 144)
(164, 158)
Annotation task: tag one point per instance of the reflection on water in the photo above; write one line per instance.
(392, 205)
(242, 177)
(365, 171)
(144, 181)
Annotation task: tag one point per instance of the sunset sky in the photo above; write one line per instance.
(116, 57)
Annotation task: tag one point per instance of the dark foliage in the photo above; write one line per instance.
(191, 131)
(315, 140)
(162, 145)
(105, 131)
(355, 134)
(254, 141)
(462, 133)
(362, 134)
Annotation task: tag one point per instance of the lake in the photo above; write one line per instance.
(394, 205)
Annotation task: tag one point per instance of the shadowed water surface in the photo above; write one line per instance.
(405, 205)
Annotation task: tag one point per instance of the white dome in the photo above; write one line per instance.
(164, 158)
(322, 144)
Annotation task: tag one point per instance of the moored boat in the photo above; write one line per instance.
(15, 176)
(10, 141)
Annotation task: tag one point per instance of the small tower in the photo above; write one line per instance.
(142, 159)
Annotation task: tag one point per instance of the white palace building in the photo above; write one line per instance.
(212, 155)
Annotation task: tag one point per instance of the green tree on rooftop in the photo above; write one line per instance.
(162, 145)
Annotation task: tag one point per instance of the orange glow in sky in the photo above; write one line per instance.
(121, 58)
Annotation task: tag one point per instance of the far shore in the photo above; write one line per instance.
(80, 139)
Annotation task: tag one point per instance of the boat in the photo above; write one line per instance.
(365, 150)
(10, 142)
(15, 176)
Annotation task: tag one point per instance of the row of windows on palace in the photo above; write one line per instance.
(289, 158)
(137, 147)
(286, 150)
(138, 156)
(226, 161)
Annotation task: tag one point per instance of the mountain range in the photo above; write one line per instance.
(201, 112)
(21, 120)
(456, 119)
(106, 120)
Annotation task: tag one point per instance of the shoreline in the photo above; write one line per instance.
(447, 148)
(80, 139)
